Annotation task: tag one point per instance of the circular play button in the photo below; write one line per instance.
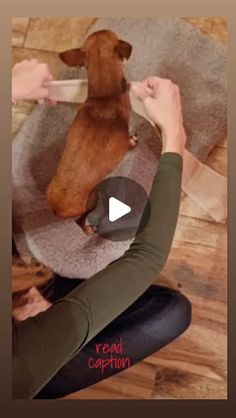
(117, 209)
(120, 204)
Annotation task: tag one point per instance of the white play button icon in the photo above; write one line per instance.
(117, 209)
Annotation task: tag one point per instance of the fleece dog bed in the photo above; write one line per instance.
(168, 47)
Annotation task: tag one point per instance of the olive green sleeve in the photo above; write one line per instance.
(43, 344)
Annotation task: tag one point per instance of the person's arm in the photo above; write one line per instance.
(43, 344)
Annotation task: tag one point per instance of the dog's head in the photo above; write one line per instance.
(100, 47)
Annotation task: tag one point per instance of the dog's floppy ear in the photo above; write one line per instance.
(73, 57)
(123, 49)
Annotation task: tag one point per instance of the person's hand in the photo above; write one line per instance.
(29, 80)
(162, 102)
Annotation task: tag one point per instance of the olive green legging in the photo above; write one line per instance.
(44, 343)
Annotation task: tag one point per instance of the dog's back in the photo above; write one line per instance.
(97, 141)
(99, 136)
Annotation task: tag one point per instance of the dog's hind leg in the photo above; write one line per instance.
(83, 221)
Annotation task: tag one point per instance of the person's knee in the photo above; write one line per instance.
(171, 315)
(183, 311)
(178, 314)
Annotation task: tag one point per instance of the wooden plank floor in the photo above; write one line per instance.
(194, 366)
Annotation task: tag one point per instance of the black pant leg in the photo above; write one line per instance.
(157, 317)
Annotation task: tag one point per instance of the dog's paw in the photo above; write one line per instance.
(133, 140)
(85, 226)
(89, 229)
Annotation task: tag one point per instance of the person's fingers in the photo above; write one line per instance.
(46, 74)
(33, 61)
(48, 78)
(16, 65)
(46, 82)
(44, 67)
(19, 64)
(145, 83)
(41, 93)
(140, 91)
(148, 88)
(154, 81)
(158, 84)
(152, 85)
(51, 102)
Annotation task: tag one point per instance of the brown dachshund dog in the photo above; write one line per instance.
(99, 137)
